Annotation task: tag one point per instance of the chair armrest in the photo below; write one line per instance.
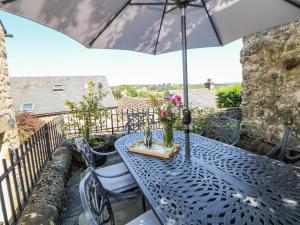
(274, 150)
(126, 195)
(110, 176)
(103, 153)
(236, 141)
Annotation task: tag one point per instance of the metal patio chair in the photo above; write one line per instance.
(288, 150)
(222, 128)
(136, 121)
(114, 177)
(96, 204)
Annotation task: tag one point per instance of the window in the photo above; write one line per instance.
(27, 107)
(58, 87)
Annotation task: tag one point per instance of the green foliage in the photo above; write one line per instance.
(144, 94)
(199, 121)
(87, 110)
(117, 92)
(146, 91)
(169, 86)
(132, 91)
(97, 141)
(229, 96)
(178, 125)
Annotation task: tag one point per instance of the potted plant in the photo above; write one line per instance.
(99, 143)
(85, 114)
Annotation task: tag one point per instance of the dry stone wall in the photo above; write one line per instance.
(9, 138)
(271, 82)
(46, 201)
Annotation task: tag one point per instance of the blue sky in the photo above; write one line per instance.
(36, 50)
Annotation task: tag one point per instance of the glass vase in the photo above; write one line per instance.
(168, 135)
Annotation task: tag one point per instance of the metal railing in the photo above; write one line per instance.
(22, 170)
(111, 121)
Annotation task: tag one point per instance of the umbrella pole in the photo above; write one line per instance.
(186, 111)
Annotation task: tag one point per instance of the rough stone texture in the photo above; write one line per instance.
(271, 82)
(10, 137)
(47, 198)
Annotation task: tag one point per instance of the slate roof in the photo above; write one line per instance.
(133, 103)
(39, 91)
(200, 98)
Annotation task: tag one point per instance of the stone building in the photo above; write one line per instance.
(271, 82)
(8, 136)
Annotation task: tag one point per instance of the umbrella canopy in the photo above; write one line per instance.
(157, 26)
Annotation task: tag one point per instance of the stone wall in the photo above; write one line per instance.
(10, 137)
(46, 201)
(271, 82)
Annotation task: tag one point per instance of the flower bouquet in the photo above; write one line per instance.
(168, 110)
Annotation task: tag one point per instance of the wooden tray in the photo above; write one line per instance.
(157, 149)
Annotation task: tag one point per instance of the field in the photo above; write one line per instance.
(156, 90)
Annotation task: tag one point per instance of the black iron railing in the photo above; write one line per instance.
(23, 169)
(111, 121)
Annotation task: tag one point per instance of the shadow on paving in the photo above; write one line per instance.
(124, 210)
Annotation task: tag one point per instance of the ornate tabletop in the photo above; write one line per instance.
(219, 184)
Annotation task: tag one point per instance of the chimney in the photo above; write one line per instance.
(209, 84)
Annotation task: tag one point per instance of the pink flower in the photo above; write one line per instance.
(176, 100)
(163, 112)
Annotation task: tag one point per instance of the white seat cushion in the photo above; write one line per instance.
(113, 169)
(116, 184)
(147, 218)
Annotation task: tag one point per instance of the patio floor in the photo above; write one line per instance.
(72, 213)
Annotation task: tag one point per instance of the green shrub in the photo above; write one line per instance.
(229, 96)
(199, 120)
(117, 92)
(85, 113)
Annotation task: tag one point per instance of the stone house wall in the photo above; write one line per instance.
(271, 82)
(9, 138)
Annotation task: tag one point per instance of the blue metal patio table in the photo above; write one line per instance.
(218, 184)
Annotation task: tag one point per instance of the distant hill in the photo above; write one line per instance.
(226, 84)
(169, 86)
(159, 90)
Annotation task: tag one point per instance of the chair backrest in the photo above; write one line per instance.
(136, 121)
(94, 200)
(290, 146)
(85, 150)
(223, 129)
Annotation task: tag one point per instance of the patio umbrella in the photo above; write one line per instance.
(157, 26)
